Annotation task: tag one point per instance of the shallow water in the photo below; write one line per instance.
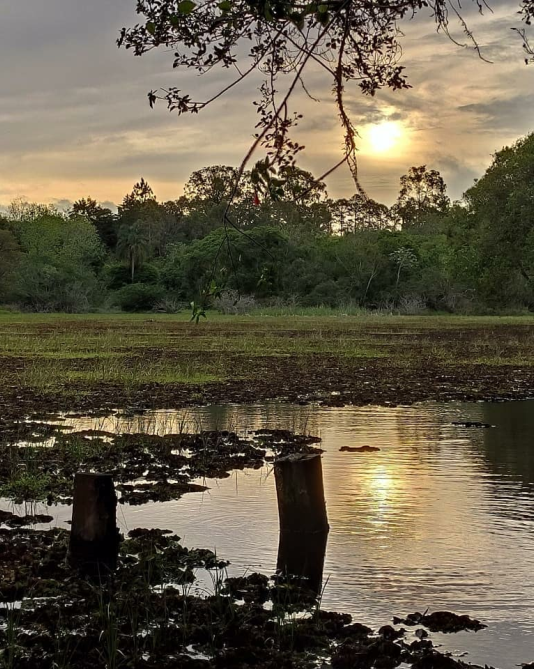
(442, 517)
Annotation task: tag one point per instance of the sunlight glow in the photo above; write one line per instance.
(384, 136)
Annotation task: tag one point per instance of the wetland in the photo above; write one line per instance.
(429, 496)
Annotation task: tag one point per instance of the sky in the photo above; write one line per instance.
(75, 121)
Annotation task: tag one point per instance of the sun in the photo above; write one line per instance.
(384, 136)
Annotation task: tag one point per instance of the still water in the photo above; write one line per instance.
(442, 517)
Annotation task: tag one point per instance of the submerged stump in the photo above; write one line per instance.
(94, 538)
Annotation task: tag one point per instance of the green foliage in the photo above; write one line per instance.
(423, 194)
(26, 486)
(102, 218)
(134, 245)
(59, 265)
(281, 241)
(116, 275)
(10, 257)
(501, 225)
(59, 241)
(138, 297)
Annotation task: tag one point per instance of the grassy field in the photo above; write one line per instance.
(56, 359)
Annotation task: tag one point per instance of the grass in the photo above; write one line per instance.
(63, 354)
(26, 486)
(57, 373)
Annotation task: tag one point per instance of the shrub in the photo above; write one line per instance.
(46, 288)
(412, 305)
(327, 293)
(231, 302)
(170, 305)
(117, 275)
(139, 297)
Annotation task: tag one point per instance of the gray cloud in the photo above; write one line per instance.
(512, 114)
(74, 119)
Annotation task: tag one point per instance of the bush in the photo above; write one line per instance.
(139, 297)
(170, 305)
(231, 302)
(327, 293)
(46, 288)
(117, 275)
(412, 305)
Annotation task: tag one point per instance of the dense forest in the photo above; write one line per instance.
(281, 241)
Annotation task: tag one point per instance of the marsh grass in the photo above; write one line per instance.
(26, 486)
(69, 355)
(26, 482)
(56, 374)
(8, 656)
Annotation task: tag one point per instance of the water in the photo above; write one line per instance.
(442, 517)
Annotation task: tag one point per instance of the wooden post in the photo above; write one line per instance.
(303, 519)
(300, 492)
(94, 538)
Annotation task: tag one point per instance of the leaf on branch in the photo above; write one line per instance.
(186, 7)
(297, 19)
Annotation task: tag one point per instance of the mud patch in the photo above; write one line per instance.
(148, 614)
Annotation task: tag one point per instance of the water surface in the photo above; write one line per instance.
(442, 517)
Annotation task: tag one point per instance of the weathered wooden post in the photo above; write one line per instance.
(300, 492)
(303, 519)
(94, 537)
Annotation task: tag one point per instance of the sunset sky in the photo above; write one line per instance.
(74, 117)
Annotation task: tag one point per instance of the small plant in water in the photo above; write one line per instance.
(26, 486)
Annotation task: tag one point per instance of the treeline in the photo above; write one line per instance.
(281, 241)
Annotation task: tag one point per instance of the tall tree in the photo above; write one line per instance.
(9, 256)
(140, 209)
(104, 220)
(22, 210)
(214, 185)
(133, 245)
(359, 213)
(290, 183)
(501, 207)
(141, 193)
(423, 192)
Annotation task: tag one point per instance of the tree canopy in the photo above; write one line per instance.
(423, 192)
(501, 205)
(470, 256)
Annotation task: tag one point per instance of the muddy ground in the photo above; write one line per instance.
(342, 363)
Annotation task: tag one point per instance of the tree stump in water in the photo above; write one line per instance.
(303, 520)
(300, 492)
(94, 538)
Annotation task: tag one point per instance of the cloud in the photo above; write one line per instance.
(63, 204)
(512, 114)
(74, 119)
